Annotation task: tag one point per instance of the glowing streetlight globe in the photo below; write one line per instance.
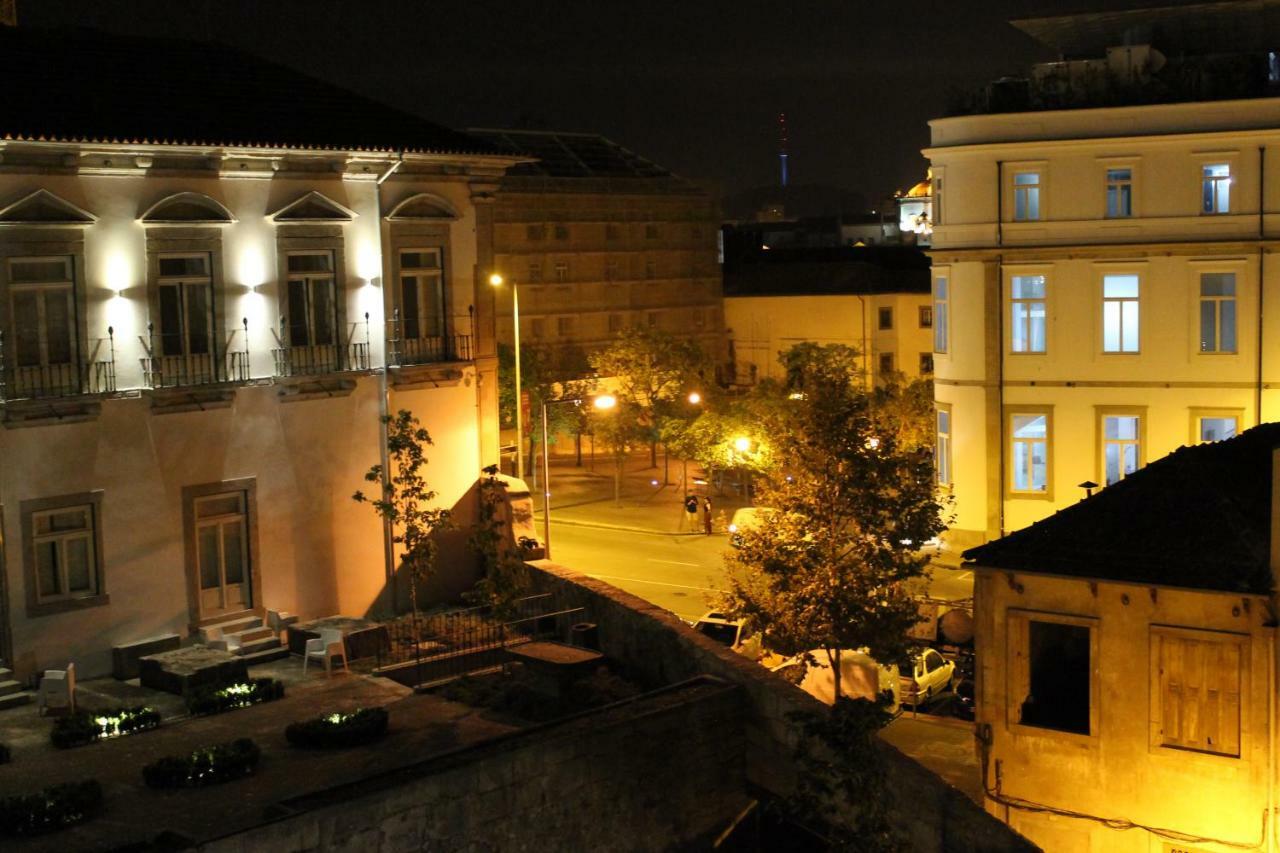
(695, 398)
(495, 280)
(605, 401)
(742, 444)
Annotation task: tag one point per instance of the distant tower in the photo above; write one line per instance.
(782, 144)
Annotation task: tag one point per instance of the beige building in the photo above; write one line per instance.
(1100, 273)
(875, 300)
(1126, 687)
(598, 239)
(204, 313)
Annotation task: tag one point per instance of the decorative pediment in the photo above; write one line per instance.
(314, 207)
(44, 208)
(423, 206)
(187, 209)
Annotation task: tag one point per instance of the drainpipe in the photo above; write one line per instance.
(1262, 251)
(384, 404)
(866, 356)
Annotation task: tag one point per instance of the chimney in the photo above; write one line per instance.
(8, 13)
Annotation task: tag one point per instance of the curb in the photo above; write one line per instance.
(603, 526)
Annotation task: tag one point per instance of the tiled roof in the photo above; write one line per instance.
(80, 85)
(569, 155)
(829, 272)
(1198, 518)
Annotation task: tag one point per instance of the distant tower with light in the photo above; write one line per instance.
(782, 146)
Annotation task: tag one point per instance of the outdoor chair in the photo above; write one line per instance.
(326, 647)
(58, 690)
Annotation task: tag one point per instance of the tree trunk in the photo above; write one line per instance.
(666, 465)
(653, 453)
(577, 446)
(833, 657)
(618, 462)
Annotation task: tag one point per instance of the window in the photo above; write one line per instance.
(538, 328)
(1051, 672)
(422, 293)
(62, 550)
(886, 363)
(312, 309)
(1026, 196)
(1216, 188)
(535, 271)
(1029, 452)
(1120, 313)
(222, 552)
(186, 305)
(562, 232)
(651, 232)
(926, 363)
(1196, 690)
(615, 323)
(940, 306)
(1218, 312)
(1027, 329)
(1121, 447)
(926, 316)
(1119, 193)
(562, 270)
(1216, 426)
(534, 233)
(564, 327)
(942, 447)
(885, 319)
(42, 305)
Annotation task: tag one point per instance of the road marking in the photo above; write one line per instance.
(964, 576)
(655, 583)
(674, 562)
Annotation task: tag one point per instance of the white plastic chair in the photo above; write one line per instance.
(326, 647)
(58, 690)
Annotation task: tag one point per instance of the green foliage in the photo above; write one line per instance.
(505, 576)
(904, 407)
(208, 765)
(215, 699)
(339, 729)
(53, 808)
(85, 727)
(407, 501)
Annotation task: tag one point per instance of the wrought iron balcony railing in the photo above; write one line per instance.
(95, 375)
(407, 349)
(192, 369)
(315, 359)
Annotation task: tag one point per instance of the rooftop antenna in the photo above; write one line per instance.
(782, 143)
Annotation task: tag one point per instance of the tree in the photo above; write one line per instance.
(905, 407)
(407, 501)
(619, 430)
(829, 568)
(544, 376)
(652, 369)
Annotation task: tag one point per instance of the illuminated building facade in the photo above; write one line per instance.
(205, 310)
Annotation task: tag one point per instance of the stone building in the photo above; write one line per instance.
(206, 304)
(1126, 688)
(1103, 256)
(597, 239)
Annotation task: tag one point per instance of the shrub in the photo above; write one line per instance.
(339, 729)
(53, 808)
(84, 727)
(215, 700)
(208, 766)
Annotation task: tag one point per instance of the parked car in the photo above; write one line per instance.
(931, 675)
(719, 627)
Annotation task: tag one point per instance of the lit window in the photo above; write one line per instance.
(562, 271)
(1026, 196)
(1121, 447)
(1217, 188)
(1119, 193)
(885, 319)
(942, 448)
(1217, 312)
(1120, 313)
(1030, 453)
(926, 316)
(940, 304)
(1217, 428)
(1028, 305)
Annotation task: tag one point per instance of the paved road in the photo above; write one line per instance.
(679, 573)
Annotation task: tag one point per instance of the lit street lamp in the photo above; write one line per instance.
(496, 280)
(602, 402)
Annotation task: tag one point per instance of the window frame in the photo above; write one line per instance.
(1015, 671)
(1243, 643)
(1207, 180)
(941, 313)
(1029, 192)
(1030, 410)
(943, 478)
(36, 605)
(66, 285)
(1108, 184)
(1199, 300)
(421, 274)
(926, 364)
(1104, 300)
(190, 495)
(309, 279)
(1101, 413)
(924, 316)
(1199, 413)
(1015, 302)
(886, 362)
(884, 318)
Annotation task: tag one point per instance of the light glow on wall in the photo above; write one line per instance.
(252, 268)
(368, 261)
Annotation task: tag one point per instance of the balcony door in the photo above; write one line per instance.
(222, 554)
(187, 344)
(422, 304)
(43, 356)
(312, 318)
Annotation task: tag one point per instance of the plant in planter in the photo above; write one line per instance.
(53, 808)
(208, 766)
(339, 729)
(84, 727)
(215, 700)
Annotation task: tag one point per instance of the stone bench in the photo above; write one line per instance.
(125, 657)
(182, 670)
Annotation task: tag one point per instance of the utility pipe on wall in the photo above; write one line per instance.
(384, 399)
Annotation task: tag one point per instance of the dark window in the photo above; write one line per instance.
(886, 319)
(926, 363)
(1058, 677)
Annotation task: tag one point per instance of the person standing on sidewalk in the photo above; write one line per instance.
(706, 515)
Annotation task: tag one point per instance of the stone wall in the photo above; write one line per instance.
(658, 646)
(653, 773)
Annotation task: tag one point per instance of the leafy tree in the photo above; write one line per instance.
(407, 501)
(829, 569)
(618, 428)
(544, 376)
(710, 438)
(905, 407)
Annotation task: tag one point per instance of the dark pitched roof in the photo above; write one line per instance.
(1198, 518)
(569, 155)
(829, 272)
(80, 85)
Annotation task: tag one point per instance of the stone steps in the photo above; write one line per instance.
(12, 694)
(14, 700)
(245, 637)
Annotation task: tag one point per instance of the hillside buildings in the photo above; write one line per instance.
(206, 305)
(599, 239)
(1103, 277)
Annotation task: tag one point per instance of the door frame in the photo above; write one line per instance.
(248, 485)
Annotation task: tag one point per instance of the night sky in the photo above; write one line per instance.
(694, 85)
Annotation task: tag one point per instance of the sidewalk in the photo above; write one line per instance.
(585, 496)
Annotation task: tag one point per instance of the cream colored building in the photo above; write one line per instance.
(599, 239)
(204, 313)
(874, 300)
(1103, 282)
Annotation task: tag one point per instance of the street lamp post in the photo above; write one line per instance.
(496, 280)
(603, 402)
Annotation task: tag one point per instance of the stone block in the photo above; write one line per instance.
(124, 657)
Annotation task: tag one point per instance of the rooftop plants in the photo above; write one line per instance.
(84, 727)
(227, 697)
(209, 765)
(339, 729)
(53, 808)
